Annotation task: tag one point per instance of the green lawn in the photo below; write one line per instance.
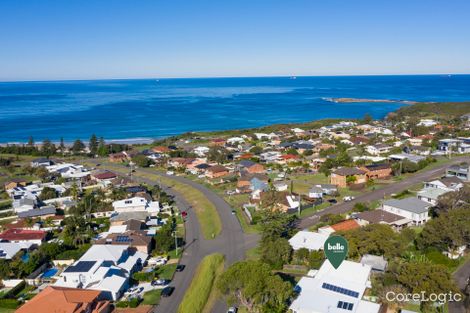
(196, 298)
(311, 210)
(152, 297)
(302, 183)
(166, 271)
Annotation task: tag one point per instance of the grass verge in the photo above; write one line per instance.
(200, 291)
(206, 212)
(152, 297)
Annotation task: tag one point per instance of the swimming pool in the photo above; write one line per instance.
(50, 272)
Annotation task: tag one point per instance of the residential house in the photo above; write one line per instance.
(103, 267)
(281, 186)
(161, 149)
(103, 176)
(328, 189)
(377, 171)
(136, 204)
(427, 122)
(311, 241)
(451, 183)
(454, 145)
(9, 249)
(411, 208)
(341, 226)
(217, 171)
(397, 222)
(377, 263)
(118, 157)
(42, 212)
(14, 183)
(134, 239)
(66, 300)
(461, 171)
(315, 193)
(18, 235)
(335, 290)
(201, 151)
(378, 149)
(406, 156)
(348, 175)
(250, 167)
(431, 195)
(41, 162)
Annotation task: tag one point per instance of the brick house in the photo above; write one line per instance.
(348, 175)
(377, 171)
(216, 171)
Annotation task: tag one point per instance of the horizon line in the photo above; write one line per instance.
(225, 77)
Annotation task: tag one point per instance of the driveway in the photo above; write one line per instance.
(461, 278)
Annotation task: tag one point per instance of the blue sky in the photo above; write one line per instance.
(45, 39)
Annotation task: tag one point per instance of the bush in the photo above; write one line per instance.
(134, 302)
(9, 303)
(122, 304)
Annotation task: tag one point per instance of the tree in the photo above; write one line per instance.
(377, 239)
(41, 172)
(276, 253)
(93, 144)
(141, 160)
(30, 141)
(78, 146)
(218, 154)
(252, 285)
(447, 232)
(48, 148)
(275, 224)
(164, 239)
(48, 193)
(62, 145)
(256, 150)
(367, 119)
(102, 148)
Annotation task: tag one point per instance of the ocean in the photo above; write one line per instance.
(155, 108)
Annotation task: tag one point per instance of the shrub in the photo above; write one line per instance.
(9, 303)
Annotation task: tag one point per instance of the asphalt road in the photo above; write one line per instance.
(231, 242)
(381, 193)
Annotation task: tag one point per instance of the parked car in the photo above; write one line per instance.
(167, 291)
(348, 198)
(180, 267)
(332, 201)
(160, 282)
(232, 309)
(184, 214)
(171, 173)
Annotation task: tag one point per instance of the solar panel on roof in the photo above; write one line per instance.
(82, 266)
(343, 291)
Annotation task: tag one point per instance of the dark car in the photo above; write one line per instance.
(332, 201)
(167, 291)
(180, 267)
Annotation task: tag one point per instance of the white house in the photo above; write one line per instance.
(201, 151)
(9, 249)
(447, 183)
(335, 290)
(103, 267)
(136, 204)
(411, 208)
(312, 241)
(427, 122)
(315, 192)
(378, 149)
(431, 195)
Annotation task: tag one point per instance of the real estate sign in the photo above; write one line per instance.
(336, 250)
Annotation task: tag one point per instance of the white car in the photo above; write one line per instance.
(170, 173)
(348, 198)
(158, 261)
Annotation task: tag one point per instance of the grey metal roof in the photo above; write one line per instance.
(412, 204)
(37, 212)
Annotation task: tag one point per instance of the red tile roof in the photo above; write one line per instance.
(345, 225)
(15, 234)
(105, 175)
